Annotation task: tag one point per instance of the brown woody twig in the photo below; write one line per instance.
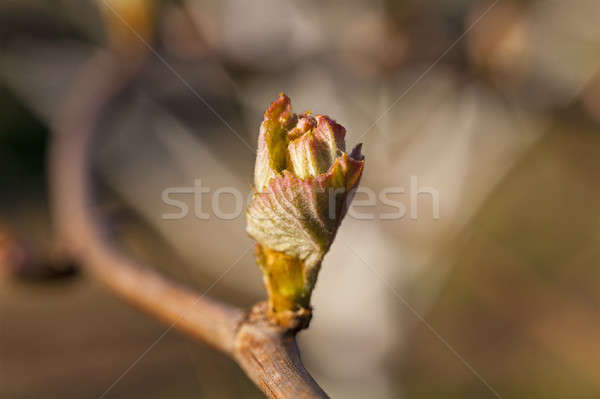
(267, 353)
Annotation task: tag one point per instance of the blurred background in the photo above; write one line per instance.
(496, 105)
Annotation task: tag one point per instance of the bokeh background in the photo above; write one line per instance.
(494, 104)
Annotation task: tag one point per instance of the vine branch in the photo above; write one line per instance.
(267, 353)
